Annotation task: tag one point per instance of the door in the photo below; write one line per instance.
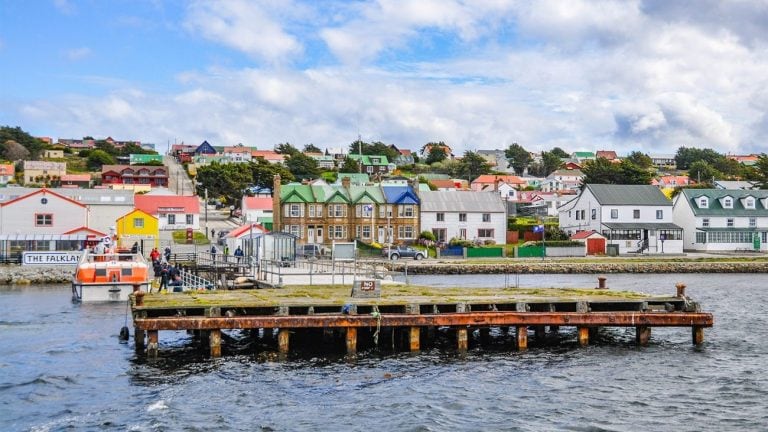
(595, 246)
(311, 234)
(382, 235)
(319, 235)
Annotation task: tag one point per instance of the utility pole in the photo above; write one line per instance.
(206, 212)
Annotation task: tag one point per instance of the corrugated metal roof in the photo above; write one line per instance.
(461, 201)
(641, 195)
(715, 207)
(641, 225)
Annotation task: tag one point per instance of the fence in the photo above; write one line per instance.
(452, 251)
(530, 251)
(485, 252)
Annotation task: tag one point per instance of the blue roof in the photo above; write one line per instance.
(400, 195)
(205, 148)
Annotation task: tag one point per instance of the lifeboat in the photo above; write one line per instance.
(102, 277)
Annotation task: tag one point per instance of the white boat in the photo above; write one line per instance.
(102, 277)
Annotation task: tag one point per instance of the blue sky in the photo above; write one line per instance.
(647, 75)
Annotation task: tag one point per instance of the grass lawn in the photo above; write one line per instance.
(180, 236)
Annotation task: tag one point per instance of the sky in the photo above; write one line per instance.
(482, 74)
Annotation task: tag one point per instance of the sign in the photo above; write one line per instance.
(538, 229)
(756, 241)
(366, 288)
(50, 258)
(662, 237)
(343, 251)
(190, 236)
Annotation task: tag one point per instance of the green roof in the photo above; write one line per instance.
(354, 178)
(367, 159)
(584, 154)
(645, 195)
(715, 207)
(366, 194)
(296, 192)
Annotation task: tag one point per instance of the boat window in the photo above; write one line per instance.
(101, 272)
(126, 272)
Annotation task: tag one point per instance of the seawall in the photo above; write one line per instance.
(580, 268)
(38, 275)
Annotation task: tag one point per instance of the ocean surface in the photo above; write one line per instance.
(63, 368)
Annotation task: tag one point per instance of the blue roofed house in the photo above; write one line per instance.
(205, 148)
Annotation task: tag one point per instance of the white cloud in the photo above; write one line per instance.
(76, 54)
(243, 25)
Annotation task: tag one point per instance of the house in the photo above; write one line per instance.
(733, 184)
(76, 144)
(151, 175)
(42, 212)
(373, 164)
(183, 152)
(489, 182)
(634, 218)
(450, 184)
(205, 148)
(338, 153)
(325, 162)
(7, 173)
(723, 219)
(268, 155)
(466, 215)
(671, 181)
(43, 171)
(562, 180)
(404, 156)
(607, 154)
(747, 160)
(572, 165)
(427, 149)
(53, 154)
(321, 213)
(594, 242)
(173, 212)
(138, 226)
(143, 159)
(121, 144)
(237, 154)
(663, 160)
(497, 158)
(257, 209)
(354, 178)
(582, 156)
(82, 181)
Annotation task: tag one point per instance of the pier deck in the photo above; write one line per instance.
(412, 308)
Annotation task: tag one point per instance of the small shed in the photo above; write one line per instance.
(595, 242)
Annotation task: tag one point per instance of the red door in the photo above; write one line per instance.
(595, 246)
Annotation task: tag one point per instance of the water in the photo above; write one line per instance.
(62, 368)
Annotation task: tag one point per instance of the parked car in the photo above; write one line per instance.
(221, 234)
(312, 251)
(403, 252)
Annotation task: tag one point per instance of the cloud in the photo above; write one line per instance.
(76, 54)
(245, 26)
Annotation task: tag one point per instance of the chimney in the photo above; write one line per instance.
(276, 207)
(345, 182)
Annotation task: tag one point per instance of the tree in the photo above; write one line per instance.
(133, 148)
(302, 166)
(311, 148)
(107, 147)
(97, 158)
(631, 174)
(600, 171)
(761, 171)
(686, 156)
(562, 154)
(227, 181)
(472, 165)
(33, 145)
(349, 166)
(550, 162)
(518, 157)
(436, 154)
(375, 148)
(640, 159)
(286, 149)
(263, 173)
(13, 151)
(703, 173)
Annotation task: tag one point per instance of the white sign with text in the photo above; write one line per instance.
(50, 258)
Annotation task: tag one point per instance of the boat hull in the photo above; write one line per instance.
(104, 292)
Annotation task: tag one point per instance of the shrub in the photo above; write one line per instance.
(427, 235)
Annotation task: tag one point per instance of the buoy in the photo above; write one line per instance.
(124, 334)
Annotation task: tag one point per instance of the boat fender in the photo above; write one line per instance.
(124, 334)
(346, 309)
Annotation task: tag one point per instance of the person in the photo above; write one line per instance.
(176, 283)
(213, 233)
(226, 253)
(213, 253)
(167, 254)
(154, 255)
(238, 254)
(164, 275)
(135, 248)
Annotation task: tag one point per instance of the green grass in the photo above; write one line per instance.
(180, 236)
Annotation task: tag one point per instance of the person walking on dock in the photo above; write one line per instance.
(167, 254)
(154, 255)
(164, 275)
(226, 253)
(238, 254)
(213, 253)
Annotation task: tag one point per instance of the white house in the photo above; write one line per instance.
(42, 212)
(723, 220)
(636, 218)
(563, 179)
(257, 208)
(173, 212)
(464, 214)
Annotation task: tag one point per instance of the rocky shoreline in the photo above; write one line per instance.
(20, 275)
(581, 268)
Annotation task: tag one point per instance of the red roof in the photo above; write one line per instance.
(581, 235)
(491, 179)
(156, 204)
(608, 154)
(268, 155)
(405, 152)
(7, 169)
(446, 184)
(85, 230)
(237, 232)
(41, 191)
(257, 203)
(76, 177)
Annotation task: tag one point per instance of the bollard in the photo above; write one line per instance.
(601, 282)
(140, 298)
(680, 289)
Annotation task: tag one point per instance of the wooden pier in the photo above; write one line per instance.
(414, 311)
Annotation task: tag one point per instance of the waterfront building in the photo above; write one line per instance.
(467, 215)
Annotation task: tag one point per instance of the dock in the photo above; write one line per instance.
(411, 312)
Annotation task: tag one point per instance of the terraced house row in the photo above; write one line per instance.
(319, 212)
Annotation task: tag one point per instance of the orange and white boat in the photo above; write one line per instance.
(101, 277)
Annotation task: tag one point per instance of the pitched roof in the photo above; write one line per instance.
(462, 201)
(76, 177)
(608, 154)
(490, 178)
(296, 192)
(257, 203)
(581, 235)
(42, 191)
(237, 232)
(7, 169)
(354, 178)
(155, 204)
(268, 155)
(641, 195)
(400, 195)
(715, 207)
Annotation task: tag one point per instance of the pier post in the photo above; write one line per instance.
(138, 339)
(351, 341)
(283, 340)
(415, 333)
(698, 335)
(539, 332)
(583, 336)
(522, 338)
(462, 341)
(152, 345)
(642, 335)
(214, 338)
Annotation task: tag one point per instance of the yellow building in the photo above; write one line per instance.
(138, 226)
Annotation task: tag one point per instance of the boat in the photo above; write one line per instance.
(109, 276)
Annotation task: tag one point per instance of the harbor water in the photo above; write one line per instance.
(63, 368)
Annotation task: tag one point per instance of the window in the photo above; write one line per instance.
(405, 210)
(462, 217)
(385, 211)
(440, 217)
(701, 237)
(578, 213)
(171, 219)
(594, 214)
(486, 217)
(485, 233)
(705, 222)
(727, 202)
(703, 203)
(294, 230)
(366, 231)
(729, 222)
(294, 210)
(463, 233)
(752, 222)
(614, 213)
(369, 169)
(749, 203)
(405, 232)
(659, 214)
(190, 219)
(138, 223)
(337, 210)
(43, 219)
(636, 214)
